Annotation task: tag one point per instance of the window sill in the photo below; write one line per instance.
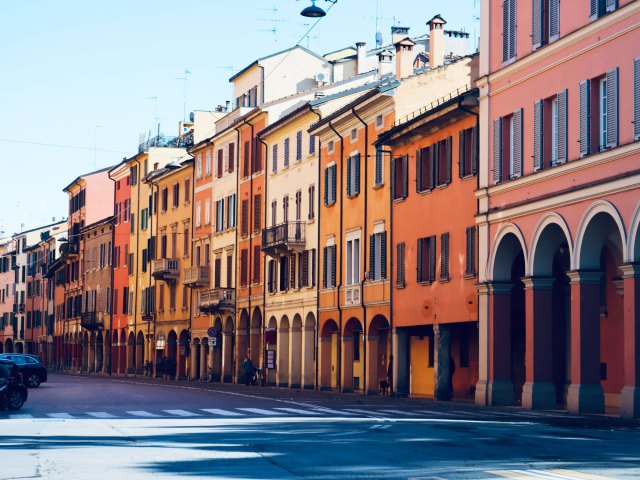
(425, 192)
(469, 176)
(399, 200)
(173, 309)
(356, 195)
(469, 276)
(444, 280)
(311, 220)
(378, 186)
(425, 282)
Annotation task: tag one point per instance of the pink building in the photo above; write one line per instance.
(559, 208)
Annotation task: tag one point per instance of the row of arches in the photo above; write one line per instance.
(561, 307)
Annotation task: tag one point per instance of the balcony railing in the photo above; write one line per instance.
(352, 295)
(218, 299)
(70, 248)
(92, 320)
(166, 269)
(164, 141)
(196, 277)
(284, 238)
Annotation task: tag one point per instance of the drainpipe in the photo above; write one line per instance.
(339, 286)
(317, 326)
(235, 253)
(364, 250)
(135, 296)
(113, 248)
(192, 194)
(264, 261)
(153, 208)
(252, 160)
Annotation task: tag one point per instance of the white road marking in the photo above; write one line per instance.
(364, 412)
(224, 413)
(21, 416)
(60, 415)
(142, 413)
(398, 412)
(298, 411)
(182, 413)
(101, 415)
(329, 410)
(430, 412)
(261, 411)
(547, 474)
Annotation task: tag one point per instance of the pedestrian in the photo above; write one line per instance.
(452, 370)
(390, 374)
(247, 369)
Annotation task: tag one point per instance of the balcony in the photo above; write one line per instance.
(18, 308)
(166, 269)
(70, 249)
(218, 300)
(352, 295)
(195, 277)
(284, 238)
(164, 141)
(91, 320)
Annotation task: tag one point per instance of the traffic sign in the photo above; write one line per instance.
(213, 341)
(212, 332)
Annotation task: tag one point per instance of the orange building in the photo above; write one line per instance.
(434, 168)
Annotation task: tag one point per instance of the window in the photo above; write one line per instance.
(329, 267)
(379, 168)
(231, 158)
(244, 222)
(298, 205)
(217, 275)
(353, 175)
(271, 276)
(444, 256)
(256, 263)
(443, 162)
(274, 158)
(127, 210)
(246, 157)
(257, 208)
(186, 241)
(299, 146)
(207, 164)
(274, 212)
(160, 297)
(219, 163)
(507, 147)
(330, 146)
(165, 199)
(231, 211)
(133, 174)
(378, 256)
(199, 166)
(353, 135)
(550, 115)
(285, 208)
(187, 190)
(598, 8)
(257, 159)
(312, 196)
(176, 195)
(599, 113)
(425, 168)
(198, 214)
(230, 270)
(470, 264)
(468, 159)
(312, 144)
(353, 262)
(303, 269)
(330, 185)
(118, 213)
(545, 26)
(286, 153)
(207, 211)
(172, 296)
(426, 259)
(379, 121)
(508, 30)
(400, 180)
(400, 265)
(284, 274)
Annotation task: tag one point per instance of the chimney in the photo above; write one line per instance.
(360, 59)
(155, 165)
(226, 105)
(404, 58)
(436, 41)
(398, 33)
(385, 63)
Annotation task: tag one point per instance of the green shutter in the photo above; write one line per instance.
(349, 192)
(419, 185)
(383, 255)
(356, 165)
(324, 267)
(372, 257)
(333, 266)
(326, 186)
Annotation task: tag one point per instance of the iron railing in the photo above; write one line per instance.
(165, 141)
(284, 236)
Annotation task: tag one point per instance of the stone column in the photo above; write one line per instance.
(499, 385)
(539, 390)
(192, 361)
(282, 357)
(227, 357)
(400, 367)
(585, 392)
(442, 371)
(308, 365)
(324, 345)
(295, 357)
(372, 387)
(630, 395)
(346, 375)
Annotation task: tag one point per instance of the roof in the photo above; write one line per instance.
(99, 223)
(86, 175)
(258, 60)
(38, 228)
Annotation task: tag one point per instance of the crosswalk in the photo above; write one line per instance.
(557, 474)
(304, 411)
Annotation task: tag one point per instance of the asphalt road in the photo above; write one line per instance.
(77, 427)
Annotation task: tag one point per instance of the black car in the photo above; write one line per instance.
(13, 393)
(32, 369)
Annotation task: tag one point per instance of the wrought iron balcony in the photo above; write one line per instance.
(196, 277)
(218, 299)
(284, 238)
(92, 320)
(166, 269)
(70, 248)
(164, 141)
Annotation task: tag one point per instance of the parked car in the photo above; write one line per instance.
(32, 369)
(13, 393)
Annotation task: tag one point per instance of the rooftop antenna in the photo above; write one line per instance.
(184, 105)
(379, 38)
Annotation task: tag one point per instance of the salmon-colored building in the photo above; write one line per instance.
(558, 205)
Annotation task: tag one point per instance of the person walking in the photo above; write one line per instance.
(247, 369)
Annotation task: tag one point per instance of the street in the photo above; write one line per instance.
(76, 427)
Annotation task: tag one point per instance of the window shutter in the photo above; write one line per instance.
(257, 209)
(538, 115)
(420, 273)
(419, 186)
(270, 276)
(292, 270)
(232, 159)
(219, 163)
(461, 138)
(383, 255)
(324, 266)
(286, 153)
(334, 169)
(562, 126)
(612, 106)
(405, 176)
(444, 256)
(333, 266)
(372, 257)
(243, 267)
(497, 150)
(434, 167)
(448, 142)
(349, 173)
(432, 258)
(517, 143)
(585, 134)
(554, 19)
(274, 159)
(475, 138)
(505, 30)
(512, 28)
(304, 280)
(636, 99)
(593, 9)
(245, 217)
(400, 268)
(356, 175)
(378, 169)
(471, 251)
(536, 27)
(299, 146)
(312, 144)
(611, 5)
(313, 267)
(326, 186)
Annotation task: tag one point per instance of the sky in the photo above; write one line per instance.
(81, 80)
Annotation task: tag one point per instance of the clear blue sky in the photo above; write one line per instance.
(78, 73)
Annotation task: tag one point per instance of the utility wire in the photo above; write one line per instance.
(74, 147)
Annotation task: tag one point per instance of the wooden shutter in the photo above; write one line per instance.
(383, 255)
(372, 257)
(356, 174)
(378, 167)
(636, 99)
(274, 158)
(256, 264)
(612, 105)
(299, 146)
(219, 163)
(610, 5)
(292, 271)
(245, 159)
(444, 256)
(461, 153)
(405, 176)
(245, 218)
(512, 28)
(475, 149)
(497, 150)
(537, 28)
(554, 19)
(270, 276)
(349, 173)
(593, 9)
(470, 268)
(243, 267)
(229, 270)
(326, 186)
(517, 143)
(286, 153)
(420, 273)
(400, 264)
(538, 132)
(448, 145)
(218, 272)
(505, 30)
(257, 210)
(304, 269)
(325, 252)
(585, 117)
(419, 185)
(232, 159)
(334, 169)
(333, 266)
(432, 258)
(562, 126)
